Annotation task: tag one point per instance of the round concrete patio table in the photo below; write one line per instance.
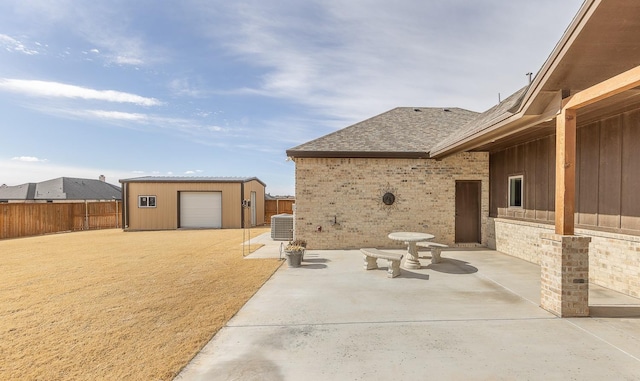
(411, 238)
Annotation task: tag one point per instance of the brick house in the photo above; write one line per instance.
(342, 178)
(556, 165)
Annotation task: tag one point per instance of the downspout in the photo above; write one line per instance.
(125, 206)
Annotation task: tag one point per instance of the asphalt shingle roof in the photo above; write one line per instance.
(63, 188)
(482, 121)
(402, 131)
(18, 192)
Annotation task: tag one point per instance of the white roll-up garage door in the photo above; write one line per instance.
(201, 209)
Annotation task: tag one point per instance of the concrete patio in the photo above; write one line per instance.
(474, 316)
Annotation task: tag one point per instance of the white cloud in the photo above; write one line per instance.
(110, 27)
(193, 172)
(190, 129)
(116, 115)
(128, 60)
(12, 45)
(16, 172)
(183, 87)
(354, 59)
(29, 159)
(49, 89)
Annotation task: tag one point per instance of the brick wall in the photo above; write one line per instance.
(339, 200)
(520, 238)
(614, 259)
(491, 233)
(564, 273)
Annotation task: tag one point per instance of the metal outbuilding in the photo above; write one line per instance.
(166, 203)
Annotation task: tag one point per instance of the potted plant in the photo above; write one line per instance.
(300, 242)
(294, 252)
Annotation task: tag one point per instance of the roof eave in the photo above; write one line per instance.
(571, 33)
(359, 154)
(189, 180)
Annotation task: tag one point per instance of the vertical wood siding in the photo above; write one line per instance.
(533, 160)
(630, 193)
(607, 175)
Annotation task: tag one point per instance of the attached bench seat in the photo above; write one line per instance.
(372, 255)
(435, 249)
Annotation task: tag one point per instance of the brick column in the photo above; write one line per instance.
(564, 266)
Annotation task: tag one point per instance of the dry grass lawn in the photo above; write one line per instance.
(114, 305)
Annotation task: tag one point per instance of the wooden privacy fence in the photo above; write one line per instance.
(273, 207)
(22, 220)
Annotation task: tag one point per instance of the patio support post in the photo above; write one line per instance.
(565, 171)
(564, 260)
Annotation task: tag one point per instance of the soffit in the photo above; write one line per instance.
(612, 106)
(606, 45)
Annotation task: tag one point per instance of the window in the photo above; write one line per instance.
(146, 201)
(515, 191)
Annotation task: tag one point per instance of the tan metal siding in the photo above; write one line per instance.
(231, 206)
(257, 187)
(165, 215)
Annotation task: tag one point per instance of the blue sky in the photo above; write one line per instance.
(223, 88)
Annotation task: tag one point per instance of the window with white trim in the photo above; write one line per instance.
(146, 201)
(516, 191)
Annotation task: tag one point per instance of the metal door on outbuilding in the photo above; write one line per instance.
(200, 210)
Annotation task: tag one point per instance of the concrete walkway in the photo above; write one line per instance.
(475, 316)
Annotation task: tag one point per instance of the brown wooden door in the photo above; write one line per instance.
(467, 211)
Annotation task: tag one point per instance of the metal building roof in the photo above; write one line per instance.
(189, 179)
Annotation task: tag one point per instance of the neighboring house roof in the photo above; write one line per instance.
(186, 179)
(19, 192)
(278, 197)
(400, 132)
(63, 188)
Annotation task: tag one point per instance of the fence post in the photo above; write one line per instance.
(86, 215)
